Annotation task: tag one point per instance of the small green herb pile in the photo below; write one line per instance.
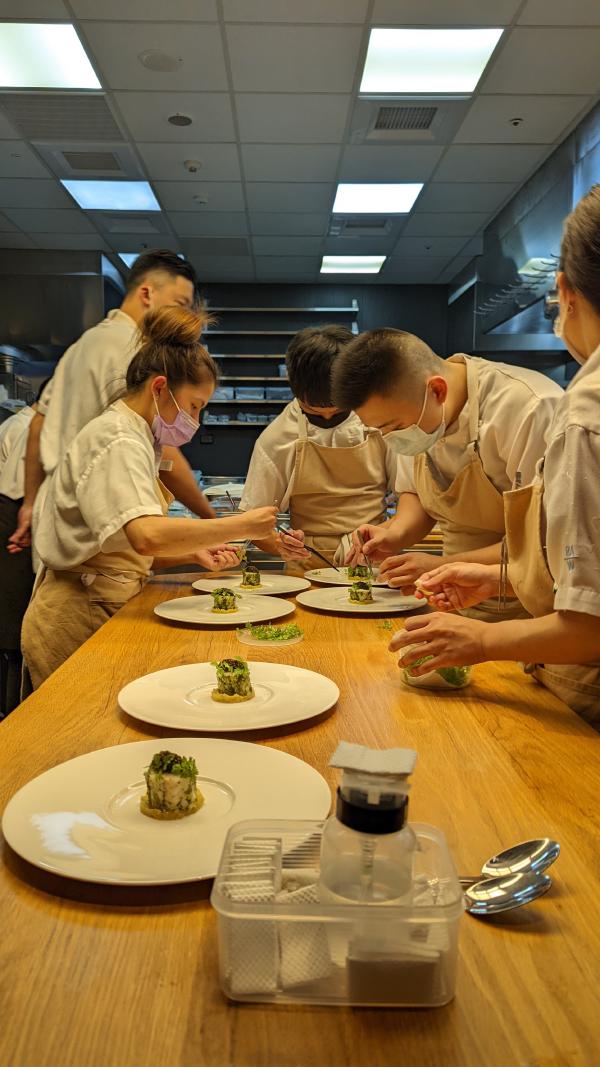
(169, 763)
(274, 633)
(453, 675)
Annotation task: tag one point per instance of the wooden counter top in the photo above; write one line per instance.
(99, 977)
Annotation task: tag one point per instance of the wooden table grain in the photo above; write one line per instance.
(94, 976)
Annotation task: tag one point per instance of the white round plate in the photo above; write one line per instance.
(270, 584)
(329, 576)
(385, 602)
(255, 642)
(180, 697)
(197, 610)
(82, 819)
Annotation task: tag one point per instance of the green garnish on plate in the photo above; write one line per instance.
(273, 633)
(170, 763)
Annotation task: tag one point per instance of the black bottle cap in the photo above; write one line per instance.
(387, 817)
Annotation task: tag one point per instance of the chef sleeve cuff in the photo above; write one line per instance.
(577, 598)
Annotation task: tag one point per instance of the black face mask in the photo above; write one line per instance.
(326, 424)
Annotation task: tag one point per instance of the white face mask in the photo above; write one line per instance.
(559, 331)
(412, 440)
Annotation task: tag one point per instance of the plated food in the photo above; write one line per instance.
(198, 610)
(171, 790)
(267, 634)
(378, 601)
(251, 577)
(359, 572)
(233, 682)
(271, 583)
(224, 601)
(360, 592)
(331, 576)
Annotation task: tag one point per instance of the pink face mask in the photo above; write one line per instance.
(176, 433)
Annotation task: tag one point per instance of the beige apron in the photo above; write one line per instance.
(528, 573)
(334, 490)
(67, 607)
(469, 511)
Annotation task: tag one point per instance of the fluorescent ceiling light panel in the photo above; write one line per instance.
(128, 258)
(43, 56)
(352, 264)
(112, 196)
(371, 198)
(426, 61)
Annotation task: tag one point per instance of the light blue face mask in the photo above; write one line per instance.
(412, 440)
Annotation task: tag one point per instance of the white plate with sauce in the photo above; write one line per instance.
(270, 584)
(82, 819)
(180, 698)
(335, 600)
(197, 610)
(329, 576)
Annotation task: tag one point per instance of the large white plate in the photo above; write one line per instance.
(329, 576)
(235, 489)
(180, 697)
(385, 602)
(198, 610)
(82, 819)
(270, 584)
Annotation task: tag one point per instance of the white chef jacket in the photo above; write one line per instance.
(13, 445)
(10, 430)
(270, 474)
(516, 408)
(106, 479)
(90, 374)
(572, 493)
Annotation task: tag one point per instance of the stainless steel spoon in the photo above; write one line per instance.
(495, 895)
(533, 856)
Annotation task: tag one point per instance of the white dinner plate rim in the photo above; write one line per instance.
(260, 612)
(307, 600)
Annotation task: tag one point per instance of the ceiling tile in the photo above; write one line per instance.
(287, 246)
(424, 247)
(546, 61)
(382, 162)
(453, 269)
(544, 119)
(147, 10)
(289, 196)
(310, 225)
(489, 163)
(360, 246)
(412, 271)
(443, 13)
(7, 132)
(219, 162)
(347, 11)
(220, 196)
(474, 247)
(6, 226)
(293, 59)
(465, 196)
(15, 192)
(150, 226)
(116, 47)
(425, 224)
(209, 223)
(18, 161)
(146, 116)
(303, 118)
(312, 163)
(40, 220)
(16, 240)
(287, 265)
(135, 242)
(557, 13)
(74, 241)
(33, 9)
(216, 264)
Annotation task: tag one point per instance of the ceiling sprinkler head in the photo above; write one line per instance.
(516, 121)
(179, 120)
(192, 165)
(159, 61)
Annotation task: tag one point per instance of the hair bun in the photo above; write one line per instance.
(174, 325)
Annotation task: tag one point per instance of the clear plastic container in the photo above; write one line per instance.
(279, 942)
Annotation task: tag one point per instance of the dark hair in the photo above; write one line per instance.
(171, 346)
(310, 359)
(580, 248)
(377, 362)
(160, 259)
(38, 395)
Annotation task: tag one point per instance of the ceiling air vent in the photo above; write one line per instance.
(92, 161)
(404, 118)
(372, 225)
(60, 116)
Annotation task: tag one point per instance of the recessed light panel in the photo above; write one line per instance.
(419, 62)
(43, 56)
(128, 258)
(112, 196)
(352, 264)
(372, 198)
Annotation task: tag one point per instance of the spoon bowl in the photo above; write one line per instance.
(534, 856)
(505, 892)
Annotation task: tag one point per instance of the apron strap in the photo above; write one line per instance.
(473, 400)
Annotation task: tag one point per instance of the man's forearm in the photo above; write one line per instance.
(34, 472)
(562, 637)
(181, 483)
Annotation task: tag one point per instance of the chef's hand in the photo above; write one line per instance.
(21, 538)
(455, 586)
(260, 522)
(401, 572)
(290, 545)
(452, 641)
(217, 559)
(376, 544)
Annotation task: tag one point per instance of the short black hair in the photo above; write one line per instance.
(310, 358)
(164, 260)
(377, 362)
(41, 389)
